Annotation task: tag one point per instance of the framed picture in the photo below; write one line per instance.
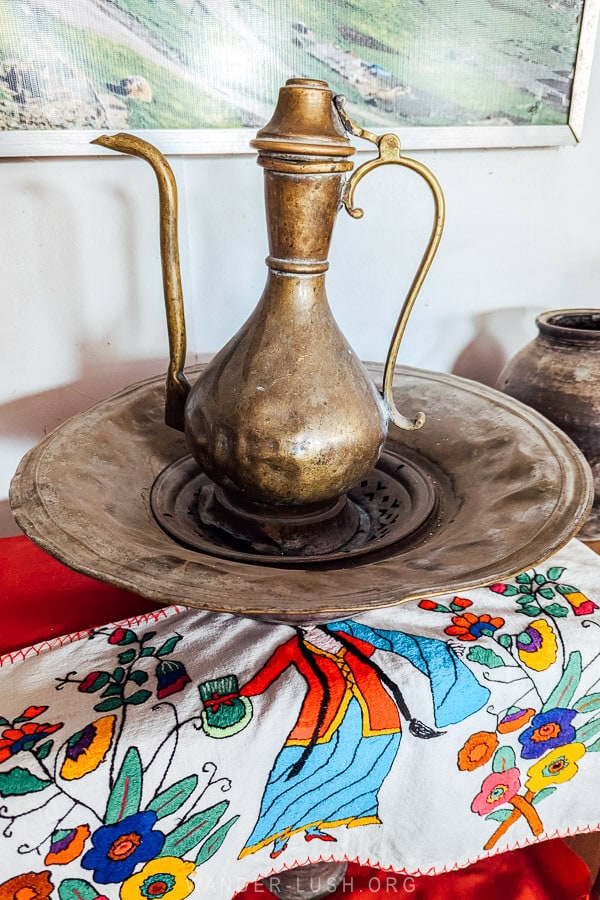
(199, 76)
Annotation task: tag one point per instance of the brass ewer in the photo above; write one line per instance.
(285, 420)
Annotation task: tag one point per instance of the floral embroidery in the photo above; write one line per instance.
(171, 677)
(497, 788)
(66, 845)
(469, 627)
(478, 750)
(537, 646)
(553, 727)
(515, 720)
(165, 877)
(548, 730)
(579, 603)
(26, 737)
(31, 886)
(120, 847)
(556, 767)
(86, 749)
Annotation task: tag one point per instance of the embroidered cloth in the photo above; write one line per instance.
(183, 749)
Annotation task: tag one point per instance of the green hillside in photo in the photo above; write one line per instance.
(218, 63)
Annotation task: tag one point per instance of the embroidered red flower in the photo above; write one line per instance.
(24, 738)
(498, 588)
(469, 627)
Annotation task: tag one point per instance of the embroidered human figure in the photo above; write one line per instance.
(339, 752)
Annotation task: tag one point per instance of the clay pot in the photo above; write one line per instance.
(558, 374)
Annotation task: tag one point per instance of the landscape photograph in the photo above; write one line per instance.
(202, 64)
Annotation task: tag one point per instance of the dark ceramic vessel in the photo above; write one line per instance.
(558, 374)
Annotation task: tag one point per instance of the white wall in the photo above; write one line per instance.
(81, 301)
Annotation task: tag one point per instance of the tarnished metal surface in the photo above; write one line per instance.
(392, 505)
(285, 414)
(515, 490)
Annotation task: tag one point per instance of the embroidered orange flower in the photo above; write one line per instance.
(469, 627)
(66, 845)
(24, 738)
(86, 749)
(580, 604)
(30, 886)
(478, 750)
(515, 720)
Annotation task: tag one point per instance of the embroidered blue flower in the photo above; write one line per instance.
(120, 847)
(548, 730)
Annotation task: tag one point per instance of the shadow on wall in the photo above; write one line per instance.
(498, 335)
(29, 419)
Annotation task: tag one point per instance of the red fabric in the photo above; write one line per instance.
(548, 871)
(40, 599)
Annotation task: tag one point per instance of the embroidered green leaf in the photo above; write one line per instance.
(505, 640)
(566, 589)
(124, 799)
(499, 815)
(4, 721)
(174, 797)
(484, 657)
(76, 889)
(587, 704)
(138, 697)
(138, 676)
(168, 646)
(556, 610)
(19, 781)
(147, 637)
(546, 593)
(510, 590)
(526, 590)
(193, 830)
(587, 731)
(541, 795)
(147, 651)
(530, 611)
(564, 691)
(108, 704)
(119, 673)
(523, 578)
(112, 690)
(540, 579)
(42, 750)
(504, 758)
(555, 572)
(593, 748)
(127, 656)
(213, 843)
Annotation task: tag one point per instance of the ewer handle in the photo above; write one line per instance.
(389, 154)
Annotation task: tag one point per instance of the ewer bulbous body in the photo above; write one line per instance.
(285, 415)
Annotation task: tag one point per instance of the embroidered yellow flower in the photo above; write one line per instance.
(478, 750)
(537, 646)
(165, 877)
(86, 749)
(556, 767)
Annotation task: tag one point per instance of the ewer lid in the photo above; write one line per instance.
(305, 121)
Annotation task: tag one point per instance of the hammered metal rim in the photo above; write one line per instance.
(45, 502)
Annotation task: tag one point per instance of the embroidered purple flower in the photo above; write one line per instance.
(120, 847)
(171, 677)
(548, 730)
